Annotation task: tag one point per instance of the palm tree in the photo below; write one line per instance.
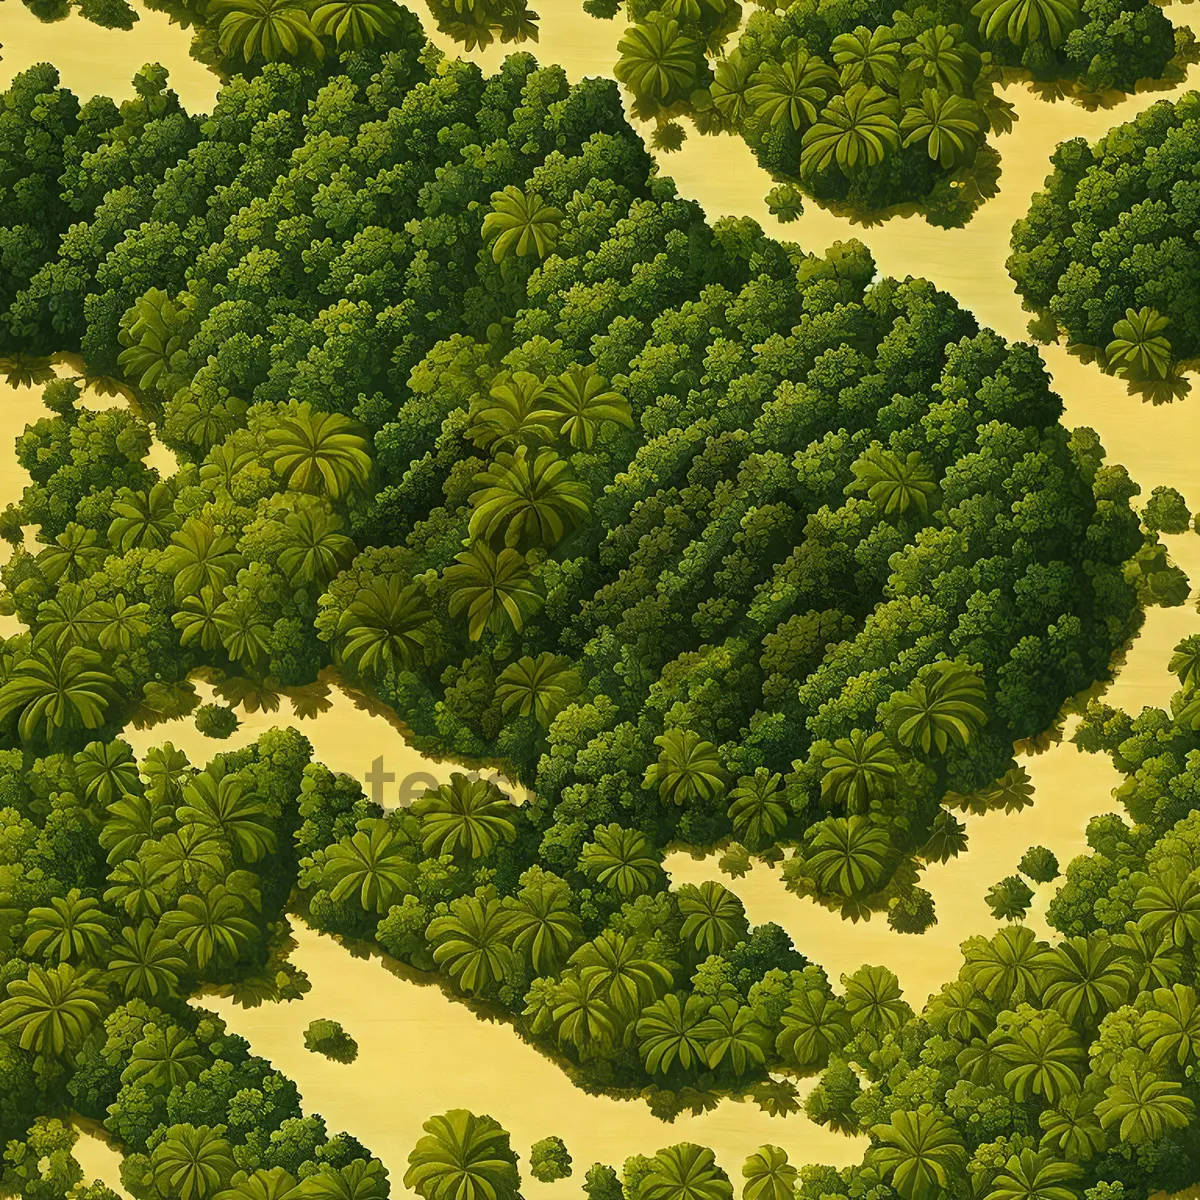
(226, 461)
(21, 370)
(947, 838)
(156, 342)
(70, 618)
(658, 61)
(582, 1013)
(244, 631)
(685, 1172)
(275, 1184)
(1170, 1027)
(55, 691)
(868, 57)
(534, 500)
(944, 703)
(713, 917)
(733, 1034)
(1009, 968)
(164, 1059)
(463, 1157)
(1072, 1129)
(688, 769)
(225, 804)
(143, 519)
(1089, 977)
(814, 1025)
(521, 223)
(1185, 662)
(620, 859)
(132, 820)
(966, 1013)
(757, 809)
(494, 589)
(848, 856)
(192, 1163)
(1153, 961)
(949, 125)
(732, 80)
(372, 865)
(106, 771)
(893, 484)
(861, 769)
(166, 770)
(71, 927)
(320, 452)
(543, 928)
(51, 1011)
(942, 58)
(541, 687)
(1045, 1055)
(354, 23)
(361, 1179)
(629, 980)
(211, 926)
(582, 404)
(1031, 1176)
(668, 1032)
(856, 129)
(511, 412)
(189, 857)
(465, 816)
(920, 1150)
(385, 627)
(1169, 905)
(72, 556)
(134, 887)
(200, 557)
(1024, 21)
(789, 93)
(263, 30)
(472, 942)
(314, 548)
(196, 619)
(1138, 348)
(122, 625)
(769, 1175)
(1144, 1106)
(874, 1002)
(145, 964)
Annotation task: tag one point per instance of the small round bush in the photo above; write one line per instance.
(216, 720)
(1166, 512)
(1009, 899)
(330, 1039)
(549, 1160)
(602, 1183)
(1039, 864)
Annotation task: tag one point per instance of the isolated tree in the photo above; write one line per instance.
(463, 1157)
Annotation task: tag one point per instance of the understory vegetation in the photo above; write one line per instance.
(1107, 254)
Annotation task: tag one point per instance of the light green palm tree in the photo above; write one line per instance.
(325, 453)
(463, 1157)
(734, 1037)
(542, 924)
(942, 58)
(848, 856)
(730, 88)
(264, 30)
(657, 61)
(668, 1033)
(1045, 1057)
(1026, 21)
(630, 979)
(314, 547)
(496, 590)
(514, 410)
(196, 619)
(132, 820)
(685, 1172)
(856, 131)
(949, 125)
(529, 497)
(583, 404)
(769, 1175)
(874, 1002)
(192, 1163)
(143, 519)
(225, 804)
(893, 484)
(69, 929)
(56, 691)
(1170, 1027)
(814, 1025)
(385, 627)
(582, 1014)
(470, 817)
(1144, 1107)
(540, 687)
(1138, 349)
(688, 768)
(1033, 1176)
(72, 556)
(789, 94)
(1168, 906)
(944, 704)
(472, 942)
(212, 926)
(920, 1151)
(521, 224)
(757, 808)
(713, 917)
(52, 1010)
(106, 771)
(1072, 1130)
(861, 769)
(1089, 978)
(354, 23)
(867, 56)
(200, 557)
(620, 859)
(372, 865)
(164, 1059)
(146, 965)
(122, 625)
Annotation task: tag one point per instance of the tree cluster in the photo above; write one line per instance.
(1107, 254)
(867, 106)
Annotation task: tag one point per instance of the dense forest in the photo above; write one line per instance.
(867, 105)
(696, 534)
(1107, 254)
(707, 540)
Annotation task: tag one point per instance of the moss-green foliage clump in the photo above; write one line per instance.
(327, 1037)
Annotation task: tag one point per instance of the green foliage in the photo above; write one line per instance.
(1009, 899)
(329, 1038)
(463, 1156)
(549, 1160)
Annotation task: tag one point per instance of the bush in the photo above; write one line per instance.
(1009, 899)
(1039, 864)
(1166, 512)
(549, 1160)
(330, 1039)
(216, 720)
